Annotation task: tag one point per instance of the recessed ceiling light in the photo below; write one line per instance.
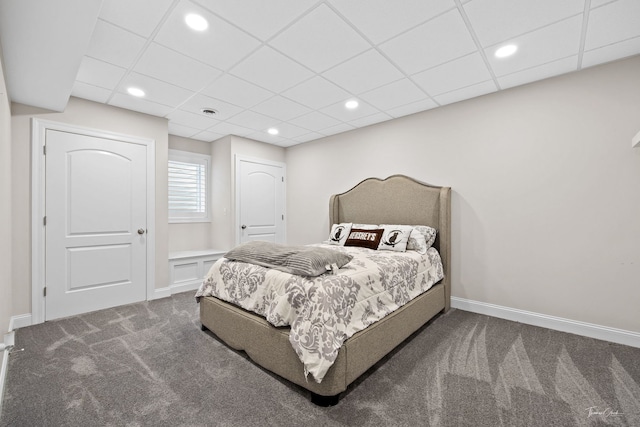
(135, 91)
(351, 104)
(273, 131)
(505, 51)
(196, 22)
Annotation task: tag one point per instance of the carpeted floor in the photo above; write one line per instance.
(149, 364)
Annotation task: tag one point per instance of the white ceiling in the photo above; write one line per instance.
(292, 64)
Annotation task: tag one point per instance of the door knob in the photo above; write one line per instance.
(140, 230)
(243, 226)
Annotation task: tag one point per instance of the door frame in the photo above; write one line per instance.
(236, 204)
(39, 128)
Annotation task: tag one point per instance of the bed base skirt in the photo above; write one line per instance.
(269, 346)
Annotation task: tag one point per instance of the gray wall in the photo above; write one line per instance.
(5, 207)
(92, 115)
(546, 190)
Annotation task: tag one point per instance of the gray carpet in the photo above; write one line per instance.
(149, 364)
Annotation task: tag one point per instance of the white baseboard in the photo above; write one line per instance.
(161, 293)
(590, 330)
(176, 289)
(20, 321)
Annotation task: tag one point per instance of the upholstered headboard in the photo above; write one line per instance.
(399, 200)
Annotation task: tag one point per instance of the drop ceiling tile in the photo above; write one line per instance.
(466, 93)
(364, 72)
(141, 105)
(265, 137)
(271, 70)
(99, 73)
(565, 65)
(196, 103)
(309, 137)
(156, 90)
(456, 74)
(597, 3)
(175, 68)
(114, 45)
(320, 40)
(287, 143)
(196, 121)
(226, 128)
(343, 127)
(380, 20)
(370, 120)
(207, 136)
(340, 112)
(252, 120)
(281, 108)
(611, 52)
(289, 131)
(90, 92)
(435, 42)
(315, 121)
(266, 17)
(612, 23)
(236, 91)
(548, 44)
(394, 95)
(180, 130)
(316, 93)
(139, 16)
(414, 107)
(495, 21)
(221, 45)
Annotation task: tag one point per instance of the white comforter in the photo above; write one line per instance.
(324, 311)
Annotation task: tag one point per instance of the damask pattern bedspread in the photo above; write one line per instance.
(324, 311)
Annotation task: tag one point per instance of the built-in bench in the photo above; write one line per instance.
(188, 268)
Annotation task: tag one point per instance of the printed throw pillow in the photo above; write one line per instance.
(395, 238)
(365, 238)
(422, 238)
(339, 233)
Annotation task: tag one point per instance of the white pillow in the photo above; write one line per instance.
(339, 233)
(421, 238)
(395, 237)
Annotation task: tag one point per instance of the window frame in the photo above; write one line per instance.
(193, 158)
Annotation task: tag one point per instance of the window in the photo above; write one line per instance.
(188, 186)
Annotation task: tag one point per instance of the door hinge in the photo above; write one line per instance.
(45, 291)
(283, 217)
(44, 220)
(283, 179)
(44, 150)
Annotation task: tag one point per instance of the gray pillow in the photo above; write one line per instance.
(300, 260)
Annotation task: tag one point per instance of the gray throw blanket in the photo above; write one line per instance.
(301, 260)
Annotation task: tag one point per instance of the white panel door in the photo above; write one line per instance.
(260, 193)
(95, 223)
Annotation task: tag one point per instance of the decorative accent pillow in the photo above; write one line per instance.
(339, 233)
(365, 238)
(395, 237)
(421, 238)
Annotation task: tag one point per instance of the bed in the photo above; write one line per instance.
(395, 200)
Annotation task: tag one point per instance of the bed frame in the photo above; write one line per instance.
(395, 200)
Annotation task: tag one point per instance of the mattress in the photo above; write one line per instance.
(322, 312)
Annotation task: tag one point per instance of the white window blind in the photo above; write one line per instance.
(188, 186)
